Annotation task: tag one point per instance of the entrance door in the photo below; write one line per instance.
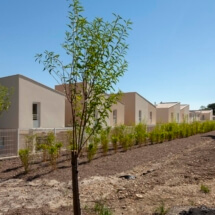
(36, 115)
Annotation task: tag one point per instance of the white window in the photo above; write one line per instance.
(36, 115)
(140, 116)
(114, 117)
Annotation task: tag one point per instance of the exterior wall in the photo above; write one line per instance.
(68, 111)
(10, 118)
(119, 107)
(162, 115)
(133, 104)
(201, 115)
(169, 114)
(184, 114)
(176, 113)
(52, 105)
(206, 115)
(128, 99)
(194, 116)
(141, 105)
(152, 109)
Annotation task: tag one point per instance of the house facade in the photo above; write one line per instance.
(33, 105)
(115, 117)
(138, 109)
(201, 115)
(168, 112)
(184, 113)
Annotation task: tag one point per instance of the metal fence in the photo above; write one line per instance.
(11, 140)
(8, 142)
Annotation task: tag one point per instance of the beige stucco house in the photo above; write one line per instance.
(168, 112)
(33, 105)
(184, 113)
(201, 115)
(116, 116)
(206, 115)
(138, 109)
(194, 115)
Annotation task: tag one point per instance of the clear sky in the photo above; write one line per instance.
(172, 44)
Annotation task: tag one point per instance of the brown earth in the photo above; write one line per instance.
(170, 173)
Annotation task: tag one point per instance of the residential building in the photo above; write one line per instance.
(201, 115)
(184, 113)
(168, 112)
(138, 109)
(116, 116)
(33, 105)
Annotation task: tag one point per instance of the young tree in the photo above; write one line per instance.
(97, 50)
(5, 95)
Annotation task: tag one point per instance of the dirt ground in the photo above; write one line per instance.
(168, 174)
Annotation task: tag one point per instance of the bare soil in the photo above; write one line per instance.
(170, 173)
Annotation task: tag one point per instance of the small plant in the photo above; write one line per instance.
(58, 145)
(104, 137)
(29, 141)
(44, 148)
(53, 154)
(204, 188)
(114, 140)
(24, 155)
(161, 210)
(101, 209)
(130, 139)
(140, 133)
(92, 148)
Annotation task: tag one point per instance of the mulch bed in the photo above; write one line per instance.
(102, 166)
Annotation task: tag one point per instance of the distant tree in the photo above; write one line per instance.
(212, 106)
(97, 50)
(202, 107)
(5, 96)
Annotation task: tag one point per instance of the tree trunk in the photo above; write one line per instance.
(75, 187)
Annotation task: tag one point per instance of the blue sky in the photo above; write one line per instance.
(172, 44)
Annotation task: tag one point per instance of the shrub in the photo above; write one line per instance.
(104, 138)
(50, 147)
(44, 148)
(101, 209)
(140, 133)
(130, 139)
(114, 140)
(53, 154)
(29, 141)
(92, 148)
(204, 188)
(24, 155)
(161, 210)
(58, 145)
